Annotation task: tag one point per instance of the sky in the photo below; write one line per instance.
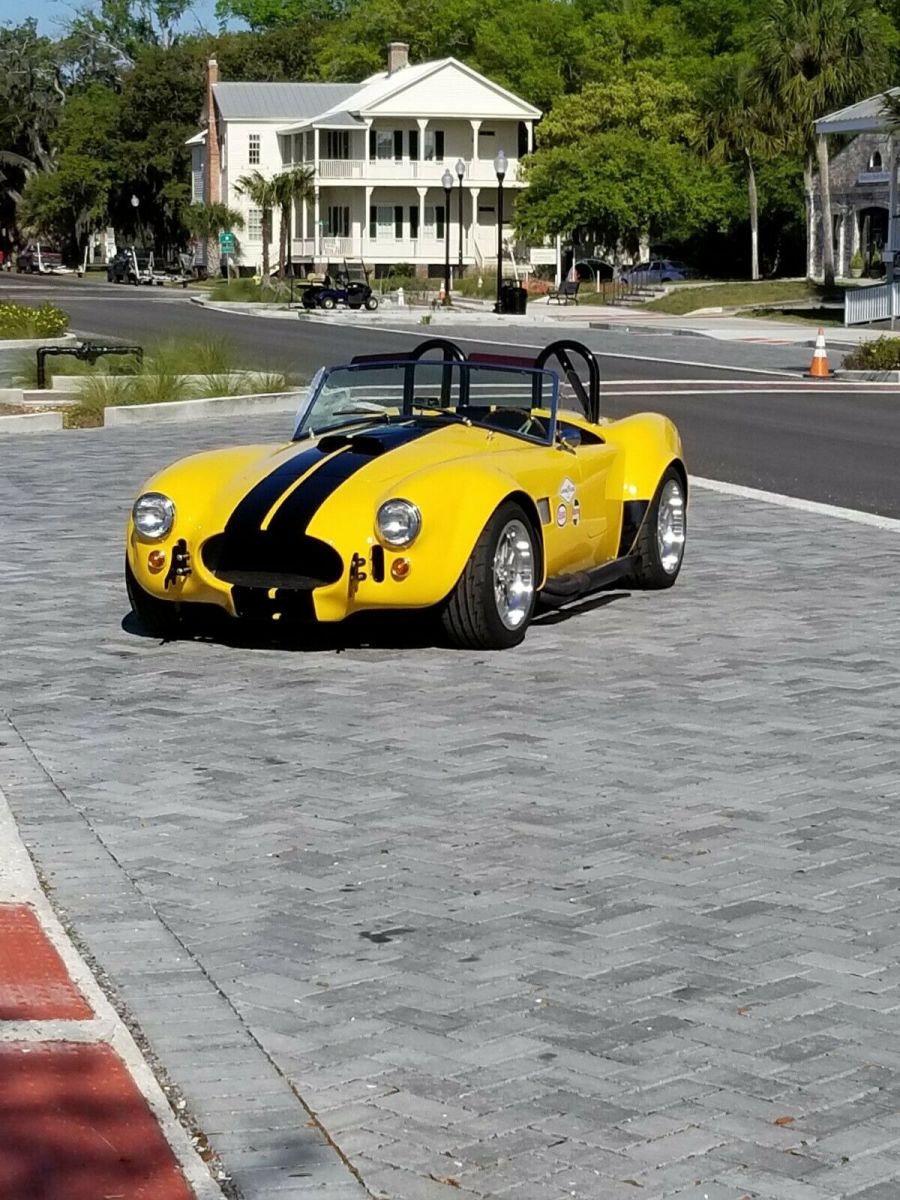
(53, 14)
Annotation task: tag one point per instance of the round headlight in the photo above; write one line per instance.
(153, 515)
(398, 523)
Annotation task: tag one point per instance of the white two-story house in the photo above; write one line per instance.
(379, 152)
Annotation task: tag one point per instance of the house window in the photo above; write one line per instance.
(434, 145)
(414, 221)
(253, 151)
(381, 143)
(254, 225)
(385, 222)
(434, 221)
(197, 184)
(486, 208)
(298, 219)
(337, 143)
(338, 221)
(875, 162)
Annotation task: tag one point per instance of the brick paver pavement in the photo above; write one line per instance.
(611, 915)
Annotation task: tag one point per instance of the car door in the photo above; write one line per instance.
(583, 517)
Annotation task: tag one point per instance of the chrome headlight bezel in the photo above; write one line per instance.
(153, 514)
(398, 523)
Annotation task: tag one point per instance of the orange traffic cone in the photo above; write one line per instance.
(818, 368)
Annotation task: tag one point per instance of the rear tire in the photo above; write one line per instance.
(327, 302)
(663, 536)
(371, 303)
(161, 618)
(492, 604)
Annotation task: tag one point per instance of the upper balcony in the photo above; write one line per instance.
(380, 171)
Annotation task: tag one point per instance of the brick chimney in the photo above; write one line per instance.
(397, 57)
(213, 157)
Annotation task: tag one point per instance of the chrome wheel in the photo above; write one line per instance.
(670, 526)
(513, 573)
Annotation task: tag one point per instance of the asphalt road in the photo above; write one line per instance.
(763, 427)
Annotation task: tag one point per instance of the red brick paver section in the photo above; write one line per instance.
(73, 1126)
(34, 982)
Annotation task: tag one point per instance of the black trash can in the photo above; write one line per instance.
(513, 299)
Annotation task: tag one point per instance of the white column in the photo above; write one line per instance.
(854, 232)
(423, 192)
(558, 259)
(367, 166)
(418, 170)
(473, 228)
(365, 224)
(317, 226)
(305, 217)
(530, 130)
(476, 125)
(892, 238)
(840, 266)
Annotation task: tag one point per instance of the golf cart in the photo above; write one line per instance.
(348, 285)
(134, 265)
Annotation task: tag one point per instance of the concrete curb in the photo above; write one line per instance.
(867, 376)
(197, 410)
(48, 422)
(19, 884)
(68, 339)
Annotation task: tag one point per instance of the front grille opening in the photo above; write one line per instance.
(295, 564)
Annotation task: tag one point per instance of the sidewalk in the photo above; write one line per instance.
(82, 1117)
(718, 326)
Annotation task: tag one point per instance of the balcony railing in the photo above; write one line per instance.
(393, 249)
(478, 171)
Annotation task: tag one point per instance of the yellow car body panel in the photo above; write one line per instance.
(324, 493)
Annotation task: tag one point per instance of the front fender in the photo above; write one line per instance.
(456, 503)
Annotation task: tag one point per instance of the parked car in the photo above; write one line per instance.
(469, 487)
(657, 270)
(40, 259)
(593, 270)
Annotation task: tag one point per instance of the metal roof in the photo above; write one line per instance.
(866, 116)
(279, 101)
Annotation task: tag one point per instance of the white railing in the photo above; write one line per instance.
(480, 171)
(880, 302)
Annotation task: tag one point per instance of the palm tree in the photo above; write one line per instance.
(207, 221)
(261, 194)
(733, 128)
(290, 187)
(814, 56)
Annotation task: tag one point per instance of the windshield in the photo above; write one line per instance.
(517, 400)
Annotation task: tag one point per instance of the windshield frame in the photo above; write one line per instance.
(406, 368)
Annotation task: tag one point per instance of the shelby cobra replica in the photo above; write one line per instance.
(474, 487)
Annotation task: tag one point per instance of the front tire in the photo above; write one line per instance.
(371, 303)
(492, 604)
(663, 535)
(327, 302)
(161, 618)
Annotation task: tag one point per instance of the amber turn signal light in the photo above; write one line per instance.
(156, 560)
(399, 568)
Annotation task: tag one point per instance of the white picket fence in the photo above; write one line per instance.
(880, 302)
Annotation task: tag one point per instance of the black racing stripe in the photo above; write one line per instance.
(294, 516)
(246, 520)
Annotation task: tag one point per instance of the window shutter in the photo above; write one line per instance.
(439, 145)
(398, 221)
(372, 143)
(373, 220)
(414, 221)
(414, 145)
(398, 144)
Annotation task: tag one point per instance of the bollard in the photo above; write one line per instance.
(401, 300)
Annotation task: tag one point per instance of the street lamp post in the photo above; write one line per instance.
(447, 181)
(500, 165)
(460, 172)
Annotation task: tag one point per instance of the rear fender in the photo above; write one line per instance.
(650, 443)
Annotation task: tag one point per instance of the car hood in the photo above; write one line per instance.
(243, 490)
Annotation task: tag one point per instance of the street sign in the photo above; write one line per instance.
(226, 242)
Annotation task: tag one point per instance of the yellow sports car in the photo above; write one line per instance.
(475, 487)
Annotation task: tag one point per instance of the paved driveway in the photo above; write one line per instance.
(611, 915)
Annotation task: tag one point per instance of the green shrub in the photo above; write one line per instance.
(881, 355)
(32, 321)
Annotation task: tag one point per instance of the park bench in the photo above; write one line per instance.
(565, 292)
